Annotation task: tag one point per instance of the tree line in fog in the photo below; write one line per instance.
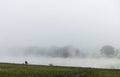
(107, 51)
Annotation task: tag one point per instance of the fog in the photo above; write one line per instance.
(84, 25)
(62, 56)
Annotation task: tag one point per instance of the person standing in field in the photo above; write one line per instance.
(26, 62)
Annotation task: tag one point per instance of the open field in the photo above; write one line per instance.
(21, 70)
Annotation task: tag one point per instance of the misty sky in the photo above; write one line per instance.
(86, 24)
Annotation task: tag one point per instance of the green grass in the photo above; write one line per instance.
(21, 70)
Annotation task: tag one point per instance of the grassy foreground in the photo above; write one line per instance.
(21, 70)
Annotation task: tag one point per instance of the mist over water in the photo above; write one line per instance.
(88, 59)
(112, 63)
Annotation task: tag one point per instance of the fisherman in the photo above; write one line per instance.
(26, 62)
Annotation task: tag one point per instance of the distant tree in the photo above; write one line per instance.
(108, 51)
(51, 65)
(65, 51)
(77, 52)
(66, 54)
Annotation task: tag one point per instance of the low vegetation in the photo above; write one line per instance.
(21, 70)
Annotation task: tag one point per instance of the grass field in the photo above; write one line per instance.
(21, 70)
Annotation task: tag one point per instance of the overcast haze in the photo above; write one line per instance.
(86, 24)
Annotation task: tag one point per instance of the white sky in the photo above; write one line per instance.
(87, 24)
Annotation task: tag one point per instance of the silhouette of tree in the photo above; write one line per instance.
(108, 51)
